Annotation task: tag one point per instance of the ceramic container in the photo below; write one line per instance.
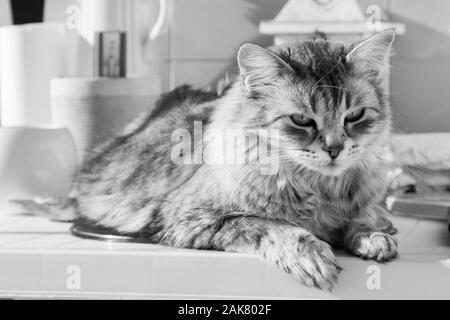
(95, 109)
(35, 162)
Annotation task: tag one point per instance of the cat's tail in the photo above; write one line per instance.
(56, 209)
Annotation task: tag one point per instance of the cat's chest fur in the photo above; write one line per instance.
(307, 199)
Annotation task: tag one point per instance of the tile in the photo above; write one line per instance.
(20, 272)
(89, 245)
(56, 10)
(383, 4)
(405, 278)
(427, 28)
(173, 275)
(420, 95)
(404, 226)
(5, 14)
(127, 246)
(47, 241)
(427, 237)
(8, 239)
(164, 72)
(35, 224)
(214, 29)
(85, 244)
(224, 276)
(432, 13)
(199, 73)
(6, 220)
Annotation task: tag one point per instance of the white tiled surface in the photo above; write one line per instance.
(35, 254)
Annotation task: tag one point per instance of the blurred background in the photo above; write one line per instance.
(200, 42)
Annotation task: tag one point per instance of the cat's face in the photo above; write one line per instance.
(328, 101)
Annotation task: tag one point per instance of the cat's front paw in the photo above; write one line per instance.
(376, 245)
(314, 264)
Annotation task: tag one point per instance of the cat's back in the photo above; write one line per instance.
(135, 167)
(173, 110)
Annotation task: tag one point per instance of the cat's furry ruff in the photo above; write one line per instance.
(291, 217)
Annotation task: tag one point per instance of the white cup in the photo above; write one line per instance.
(35, 162)
(95, 109)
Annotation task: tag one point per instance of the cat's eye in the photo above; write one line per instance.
(355, 115)
(302, 120)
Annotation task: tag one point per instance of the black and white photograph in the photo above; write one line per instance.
(218, 156)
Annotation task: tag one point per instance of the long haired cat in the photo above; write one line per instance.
(321, 111)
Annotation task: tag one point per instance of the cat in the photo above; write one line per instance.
(321, 183)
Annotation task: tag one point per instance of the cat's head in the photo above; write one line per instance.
(328, 100)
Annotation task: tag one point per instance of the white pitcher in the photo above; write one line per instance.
(143, 21)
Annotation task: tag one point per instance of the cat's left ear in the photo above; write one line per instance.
(373, 51)
(258, 65)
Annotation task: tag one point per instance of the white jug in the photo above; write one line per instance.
(136, 17)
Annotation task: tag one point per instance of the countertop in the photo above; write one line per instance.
(39, 258)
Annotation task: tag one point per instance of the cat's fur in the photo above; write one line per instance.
(291, 217)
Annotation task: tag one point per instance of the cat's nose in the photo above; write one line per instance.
(333, 150)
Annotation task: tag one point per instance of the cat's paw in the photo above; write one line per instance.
(376, 245)
(314, 265)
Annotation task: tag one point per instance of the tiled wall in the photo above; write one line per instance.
(421, 67)
(205, 34)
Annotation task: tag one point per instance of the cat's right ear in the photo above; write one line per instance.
(373, 52)
(258, 66)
